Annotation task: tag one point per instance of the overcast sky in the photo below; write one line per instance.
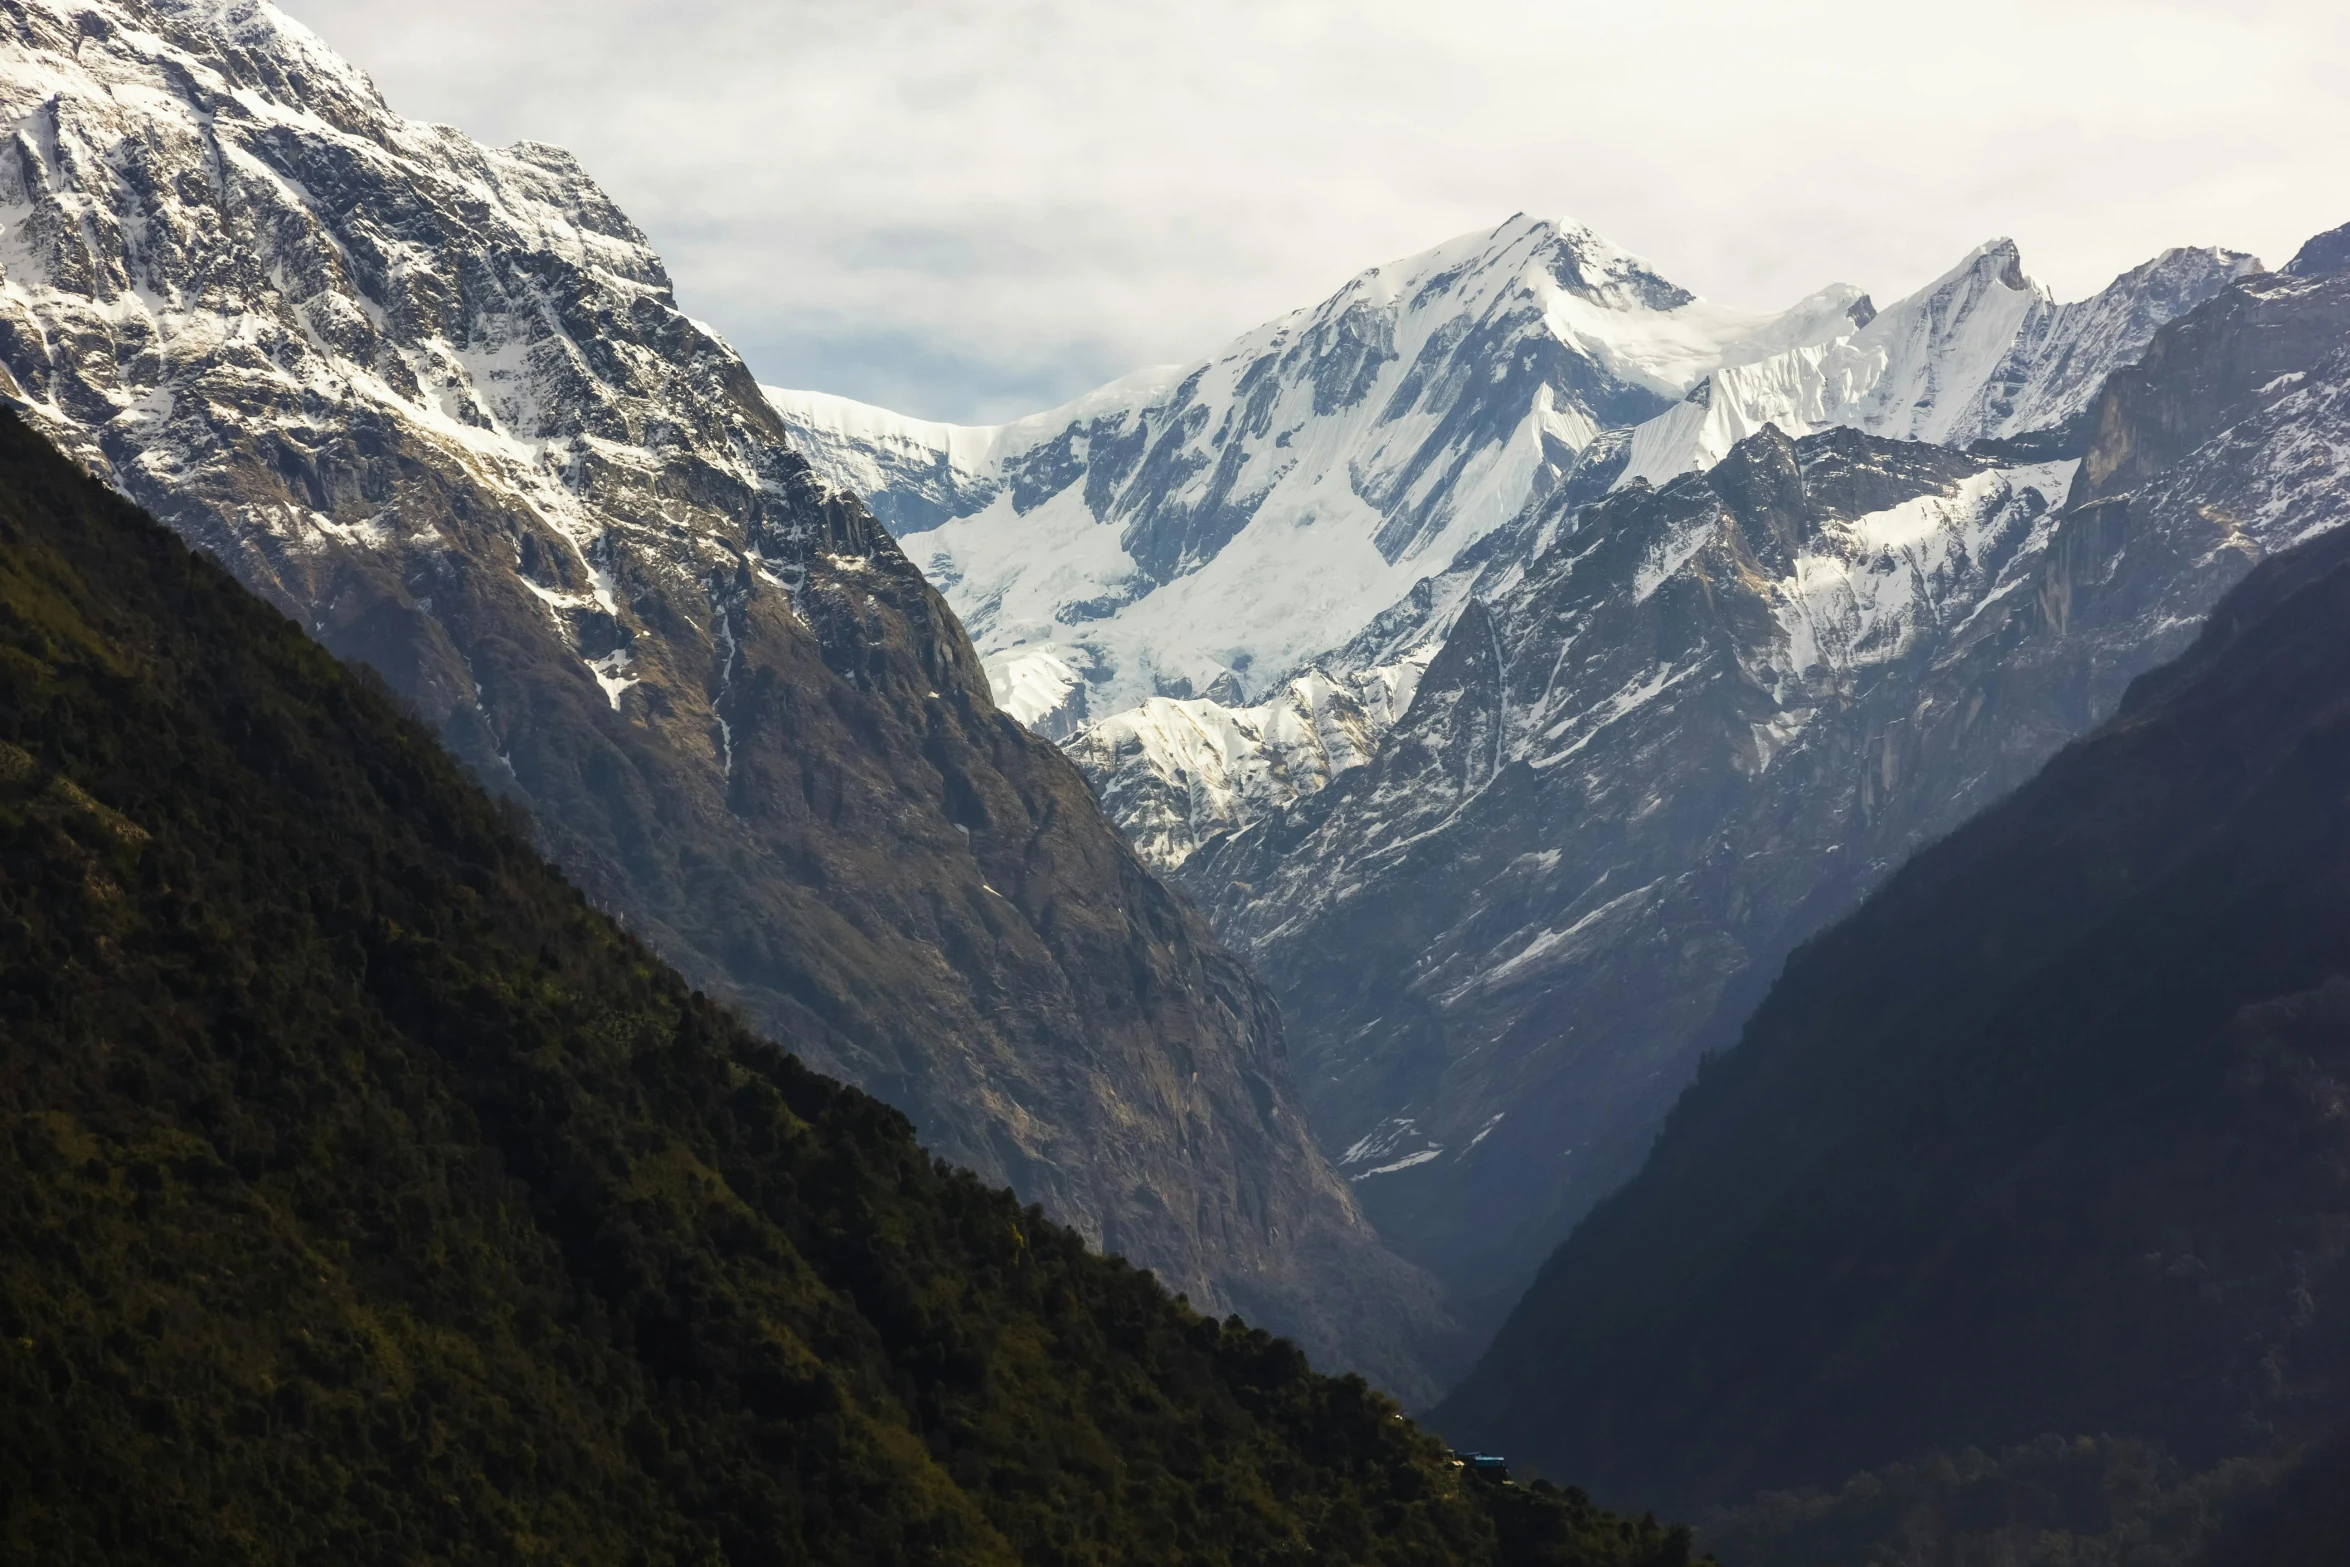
(974, 210)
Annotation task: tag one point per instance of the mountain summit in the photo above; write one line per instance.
(1209, 527)
(1212, 530)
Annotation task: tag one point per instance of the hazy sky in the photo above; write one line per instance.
(972, 210)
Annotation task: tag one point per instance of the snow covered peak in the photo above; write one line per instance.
(217, 241)
(1583, 263)
(1225, 524)
(265, 63)
(1983, 352)
(1226, 521)
(1606, 302)
(1946, 340)
(249, 33)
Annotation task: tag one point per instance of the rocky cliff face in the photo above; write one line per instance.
(1674, 733)
(437, 402)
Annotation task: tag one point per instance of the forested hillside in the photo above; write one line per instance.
(365, 1196)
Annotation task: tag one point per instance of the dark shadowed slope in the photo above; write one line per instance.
(2047, 1137)
(366, 1197)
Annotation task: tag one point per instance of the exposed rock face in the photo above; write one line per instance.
(2249, 347)
(1675, 733)
(2050, 1135)
(1234, 518)
(437, 402)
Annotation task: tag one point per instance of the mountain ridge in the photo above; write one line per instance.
(2045, 363)
(1052, 599)
(1425, 402)
(1983, 353)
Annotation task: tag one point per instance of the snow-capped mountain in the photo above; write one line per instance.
(1231, 522)
(1672, 734)
(1227, 521)
(1627, 772)
(1289, 468)
(1982, 353)
(436, 400)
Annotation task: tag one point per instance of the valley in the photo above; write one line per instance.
(1520, 919)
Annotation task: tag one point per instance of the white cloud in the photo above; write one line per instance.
(969, 210)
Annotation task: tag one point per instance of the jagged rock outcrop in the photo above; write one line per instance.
(437, 402)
